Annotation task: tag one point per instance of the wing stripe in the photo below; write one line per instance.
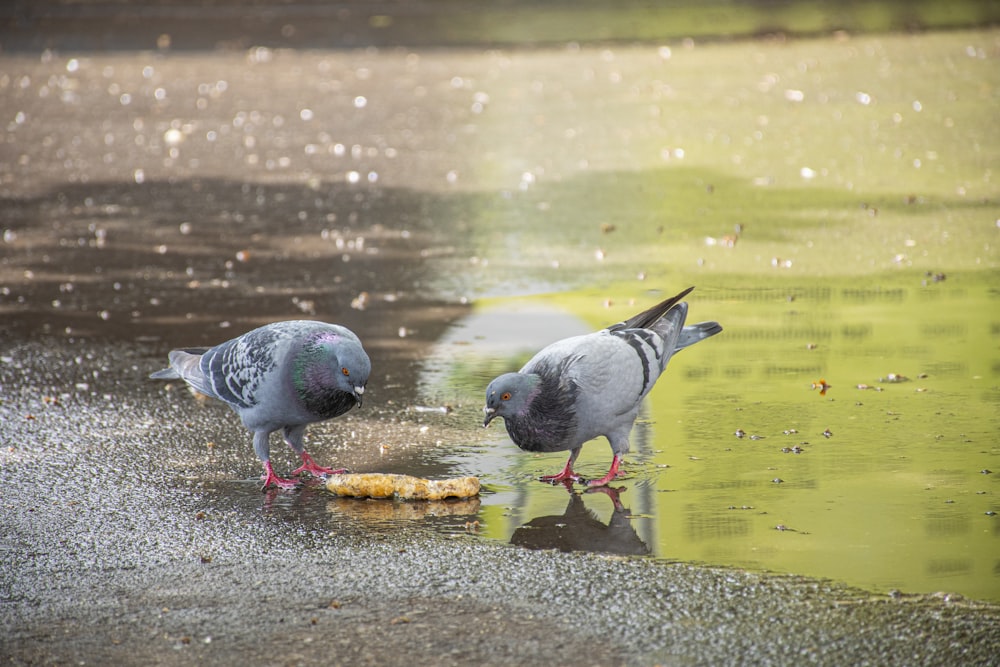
(216, 368)
(637, 344)
(652, 340)
(235, 375)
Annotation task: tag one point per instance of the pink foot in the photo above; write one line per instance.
(270, 478)
(310, 466)
(612, 473)
(566, 474)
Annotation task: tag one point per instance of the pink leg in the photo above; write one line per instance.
(612, 473)
(567, 473)
(270, 478)
(310, 466)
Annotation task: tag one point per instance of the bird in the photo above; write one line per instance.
(583, 387)
(281, 376)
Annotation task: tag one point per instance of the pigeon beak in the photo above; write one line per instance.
(488, 415)
(358, 393)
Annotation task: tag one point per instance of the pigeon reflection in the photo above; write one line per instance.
(579, 529)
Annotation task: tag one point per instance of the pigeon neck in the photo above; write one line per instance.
(547, 419)
(315, 382)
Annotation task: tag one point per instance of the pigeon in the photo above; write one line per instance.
(284, 375)
(579, 388)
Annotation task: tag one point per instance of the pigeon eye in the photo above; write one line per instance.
(506, 396)
(345, 372)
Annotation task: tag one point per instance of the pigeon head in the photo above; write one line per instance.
(354, 368)
(330, 374)
(510, 395)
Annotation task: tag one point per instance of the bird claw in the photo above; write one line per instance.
(270, 478)
(561, 477)
(599, 483)
(286, 484)
(310, 466)
(318, 471)
(567, 474)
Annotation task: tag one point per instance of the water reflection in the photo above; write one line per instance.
(245, 496)
(390, 511)
(580, 529)
(311, 507)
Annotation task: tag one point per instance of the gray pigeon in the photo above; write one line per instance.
(285, 376)
(582, 387)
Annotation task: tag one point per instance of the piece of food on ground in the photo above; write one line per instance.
(380, 485)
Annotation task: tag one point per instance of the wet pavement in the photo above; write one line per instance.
(155, 200)
(128, 539)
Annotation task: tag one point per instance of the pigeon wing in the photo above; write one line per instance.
(608, 377)
(235, 369)
(652, 347)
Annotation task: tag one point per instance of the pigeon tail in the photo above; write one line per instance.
(187, 364)
(693, 333)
